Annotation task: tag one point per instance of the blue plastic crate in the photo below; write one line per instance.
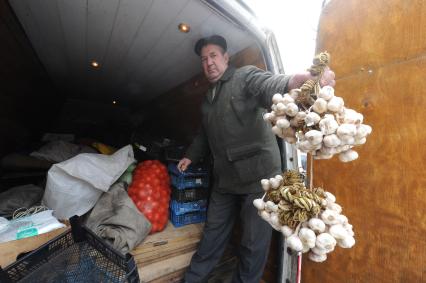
(194, 176)
(180, 208)
(187, 218)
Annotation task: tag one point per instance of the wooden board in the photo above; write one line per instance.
(10, 250)
(378, 52)
(168, 243)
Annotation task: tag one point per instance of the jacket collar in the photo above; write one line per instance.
(228, 73)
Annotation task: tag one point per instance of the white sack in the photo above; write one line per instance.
(74, 186)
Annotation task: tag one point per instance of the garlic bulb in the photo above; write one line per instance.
(269, 205)
(276, 222)
(314, 137)
(287, 99)
(265, 216)
(317, 225)
(346, 130)
(335, 104)
(345, 139)
(308, 237)
(348, 155)
(325, 241)
(352, 117)
(277, 131)
(347, 242)
(291, 109)
(287, 231)
(331, 140)
(330, 217)
(279, 178)
(329, 197)
(280, 108)
(342, 219)
(334, 206)
(274, 183)
(282, 123)
(265, 184)
(295, 243)
(360, 141)
(328, 125)
(294, 93)
(326, 92)
(312, 118)
(268, 117)
(362, 131)
(316, 257)
(318, 251)
(259, 203)
(276, 98)
(320, 105)
(338, 232)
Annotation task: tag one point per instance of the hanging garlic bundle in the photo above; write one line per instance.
(310, 219)
(316, 120)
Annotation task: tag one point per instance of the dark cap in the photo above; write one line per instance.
(214, 39)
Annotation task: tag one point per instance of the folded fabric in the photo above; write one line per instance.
(116, 219)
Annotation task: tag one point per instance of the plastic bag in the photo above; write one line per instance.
(75, 185)
(29, 226)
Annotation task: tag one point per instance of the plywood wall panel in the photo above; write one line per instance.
(383, 192)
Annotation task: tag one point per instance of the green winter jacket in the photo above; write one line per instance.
(242, 145)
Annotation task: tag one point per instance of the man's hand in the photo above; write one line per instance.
(183, 164)
(297, 80)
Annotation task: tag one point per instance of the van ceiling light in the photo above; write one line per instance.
(114, 102)
(184, 27)
(95, 64)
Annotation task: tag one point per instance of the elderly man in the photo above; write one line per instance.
(244, 151)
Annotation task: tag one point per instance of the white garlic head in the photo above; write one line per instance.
(277, 98)
(352, 117)
(334, 206)
(265, 184)
(347, 242)
(316, 225)
(329, 197)
(287, 99)
(317, 258)
(331, 140)
(338, 232)
(328, 125)
(326, 92)
(259, 204)
(346, 130)
(320, 105)
(308, 237)
(330, 217)
(291, 109)
(314, 137)
(335, 104)
(287, 231)
(348, 155)
(325, 241)
(295, 243)
(282, 123)
(312, 118)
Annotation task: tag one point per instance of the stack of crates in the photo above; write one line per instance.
(189, 195)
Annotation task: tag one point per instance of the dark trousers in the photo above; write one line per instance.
(254, 245)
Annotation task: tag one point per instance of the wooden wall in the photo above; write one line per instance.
(26, 93)
(378, 51)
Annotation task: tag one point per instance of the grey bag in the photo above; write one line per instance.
(116, 219)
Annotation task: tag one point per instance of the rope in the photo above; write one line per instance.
(23, 211)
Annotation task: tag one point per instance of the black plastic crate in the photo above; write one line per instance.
(191, 194)
(76, 256)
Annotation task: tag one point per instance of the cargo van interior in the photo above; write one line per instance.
(113, 72)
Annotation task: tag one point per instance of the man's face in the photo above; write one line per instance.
(214, 62)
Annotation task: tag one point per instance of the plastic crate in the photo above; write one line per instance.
(180, 208)
(77, 255)
(192, 194)
(187, 218)
(194, 176)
